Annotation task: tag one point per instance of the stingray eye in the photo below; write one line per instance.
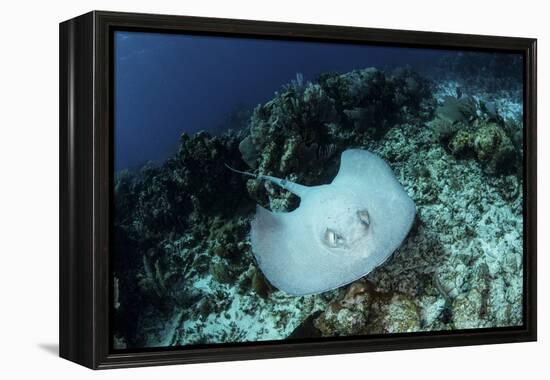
(364, 217)
(333, 239)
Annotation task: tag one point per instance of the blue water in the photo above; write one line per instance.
(166, 84)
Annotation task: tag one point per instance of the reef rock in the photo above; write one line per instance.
(347, 315)
(494, 148)
(362, 310)
(394, 313)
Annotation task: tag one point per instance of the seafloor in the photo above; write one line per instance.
(184, 273)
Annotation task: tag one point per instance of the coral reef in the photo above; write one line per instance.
(469, 130)
(183, 264)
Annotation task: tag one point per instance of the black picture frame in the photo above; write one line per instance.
(86, 181)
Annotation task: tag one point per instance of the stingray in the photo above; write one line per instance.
(339, 233)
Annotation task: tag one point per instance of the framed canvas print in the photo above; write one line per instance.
(236, 189)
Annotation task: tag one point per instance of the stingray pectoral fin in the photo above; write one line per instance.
(266, 229)
(270, 238)
(268, 235)
(359, 166)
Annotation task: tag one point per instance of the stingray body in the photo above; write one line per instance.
(339, 233)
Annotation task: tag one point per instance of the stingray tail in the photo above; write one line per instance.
(294, 188)
(241, 172)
